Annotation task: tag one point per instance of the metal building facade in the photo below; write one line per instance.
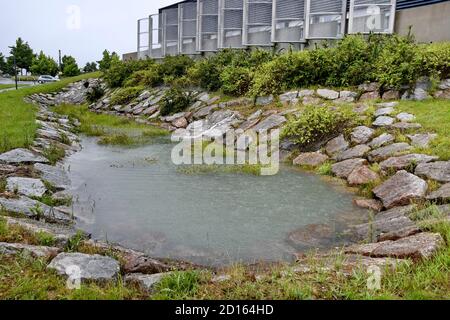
(188, 27)
(257, 24)
(231, 22)
(170, 29)
(198, 26)
(326, 19)
(289, 18)
(156, 37)
(208, 25)
(143, 38)
(368, 16)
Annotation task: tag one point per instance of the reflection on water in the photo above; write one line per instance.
(136, 197)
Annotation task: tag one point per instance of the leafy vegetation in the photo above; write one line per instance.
(69, 67)
(110, 129)
(175, 100)
(18, 118)
(392, 60)
(124, 96)
(316, 124)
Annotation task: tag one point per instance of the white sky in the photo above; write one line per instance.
(49, 26)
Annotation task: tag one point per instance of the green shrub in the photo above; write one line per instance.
(125, 95)
(315, 125)
(173, 67)
(397, 64)
(435, 60)
(283, 72)
(236, 81)
(175, 100)
(95, 93)
(120, 71)
(147, 78)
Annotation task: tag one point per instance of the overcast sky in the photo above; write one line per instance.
(50, 25)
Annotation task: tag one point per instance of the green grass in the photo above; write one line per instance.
(429, 279)
(24, 278)
(434, 116)
(18, 118)
(10, 86)
(112, 130)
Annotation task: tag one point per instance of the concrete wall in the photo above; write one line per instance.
(129, 56)
(429, 23)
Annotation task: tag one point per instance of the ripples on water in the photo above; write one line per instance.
(136, 197)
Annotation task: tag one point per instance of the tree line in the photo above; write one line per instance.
(42, 64)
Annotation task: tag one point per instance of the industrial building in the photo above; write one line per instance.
(195, 27)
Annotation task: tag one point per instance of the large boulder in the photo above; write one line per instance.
(382, 140)
(417, 247)
(34, 209)
(401, 189)
(327, 94)
(358, 151)
(419, 94)
(406, 161)
(422, 140)
(406, 126)
(144, 281)
(439, 171)
(17, 156)
(383, 121)
(12, 249)
(392, 224)
(371, 204)
(336, 145)
(362, 134)
(57, 177)
(442, 194)
(406, 117)
(26, 186)
(271, 122)
(61, 233)
(312, 159)
(92, 267)
(345, 168)
(384, 112)
(362, 175)
(392, 150)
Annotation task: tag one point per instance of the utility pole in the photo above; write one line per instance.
(60, 61)
(15, 66)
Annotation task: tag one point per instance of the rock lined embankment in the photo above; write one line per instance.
(393, 236)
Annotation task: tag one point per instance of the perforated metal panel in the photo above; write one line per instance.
(156, 36)
(372, 16)
(257, 29)
(170, 31)
(207, 25)
(289, 21)
(231, 19)
(325, 19)
(188, 28)
(143, 38)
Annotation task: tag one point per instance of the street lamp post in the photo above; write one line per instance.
(15, 67)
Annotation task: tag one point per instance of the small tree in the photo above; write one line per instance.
(24, 54)
(105, 63)
(2, 64)
(90, 67)
(69, 66)
(43, 64)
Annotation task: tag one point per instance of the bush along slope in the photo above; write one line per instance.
(393, 61)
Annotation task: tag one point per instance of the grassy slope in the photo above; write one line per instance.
(434, 116)
(17, 118)
(111, 129)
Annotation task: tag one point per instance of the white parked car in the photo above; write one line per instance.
(47, 79)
